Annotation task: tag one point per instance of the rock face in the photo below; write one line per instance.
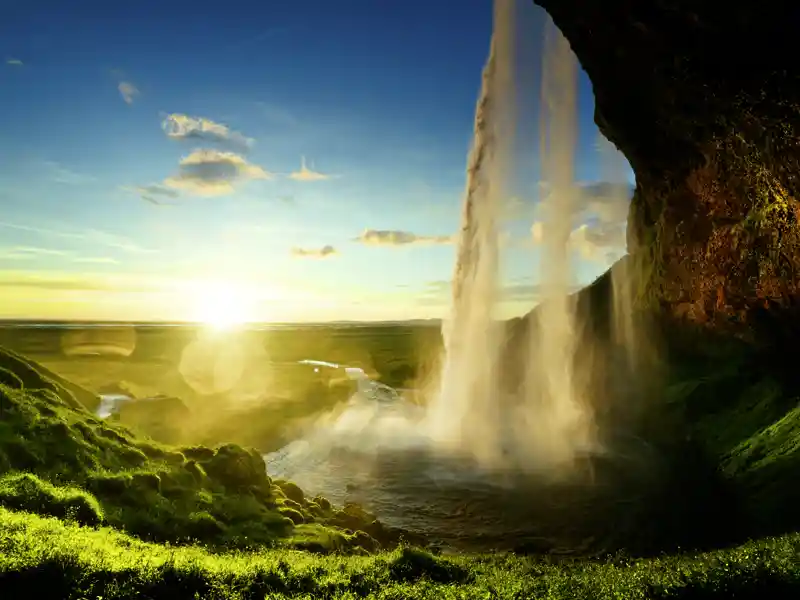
(703, 99)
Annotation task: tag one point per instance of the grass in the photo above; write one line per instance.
(49, 558)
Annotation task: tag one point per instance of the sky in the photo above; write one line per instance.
(265, 160)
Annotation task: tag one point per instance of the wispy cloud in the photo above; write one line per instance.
(179, 126)
(154, 193)
(324, 252)
(306, 174)
(128, 91)
(61, 174)
(27, 253)
(600, 214)
(388, 237)
(213, 173)
(437, 293)
(91, 236)
(96, 260)
(255, 39)
(57, 281)
(277, 115)
(14, 62)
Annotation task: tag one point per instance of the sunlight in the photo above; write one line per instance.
(221, 305)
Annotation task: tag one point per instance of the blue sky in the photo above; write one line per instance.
(174, 160)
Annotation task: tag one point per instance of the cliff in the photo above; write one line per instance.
(704, 101)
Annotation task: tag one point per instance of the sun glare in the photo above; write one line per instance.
(221, 305)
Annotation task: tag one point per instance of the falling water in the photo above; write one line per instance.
(405, 462)
(626, 334)
(554, 410)
(548, 423)
(466, 407)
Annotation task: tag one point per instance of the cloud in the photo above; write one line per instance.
(323, 252)
(600, 241)
(306, 174)
(91, 236)
(24, 253)
(385, 237)
(14, 62)
(29, 252)
(608, 201)
(437, 293)
(128, 91)
(62, 174)
(277, 115)
(600, 212)
(213, 173)
(153, 192)
(49, 282)
(96, 260)
(55, 281)
(178, 126)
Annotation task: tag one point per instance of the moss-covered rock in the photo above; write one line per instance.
(25, 491)
(10, 379)
(237, 468)
(58, 459)
(34, 376)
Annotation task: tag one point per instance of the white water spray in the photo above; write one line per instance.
(467, 400)
(549, 424)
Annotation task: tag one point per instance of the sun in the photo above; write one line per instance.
(221, 305)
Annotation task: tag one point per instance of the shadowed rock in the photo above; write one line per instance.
(704, 101)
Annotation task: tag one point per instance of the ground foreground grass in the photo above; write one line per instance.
(49, 558)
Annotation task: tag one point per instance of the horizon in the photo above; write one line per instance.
(4, 322)
(302, 164)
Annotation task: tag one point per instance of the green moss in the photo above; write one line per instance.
(34, 376)
(25, 491)
(73, 461)
(10, 379)
(750, 427)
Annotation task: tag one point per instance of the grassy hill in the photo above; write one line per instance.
(58, 459)
(89, 509)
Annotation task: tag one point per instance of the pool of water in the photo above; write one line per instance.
(375, 454)
(373, 451)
